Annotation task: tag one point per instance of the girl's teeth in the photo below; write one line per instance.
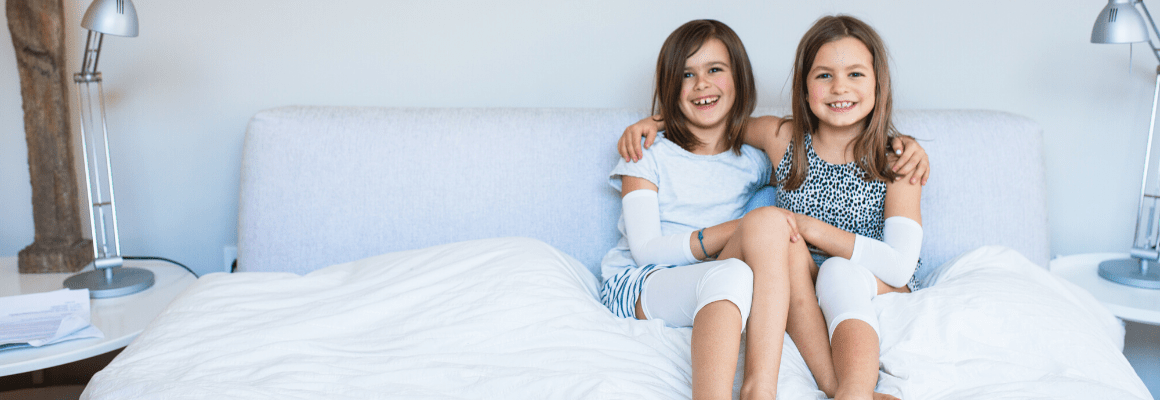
(843, 104)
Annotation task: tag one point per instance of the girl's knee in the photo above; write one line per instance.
(845, 290)
(766, 219)
(772, 217)
(732, 276)
(838, 274)
(731, 281)
(831, 270)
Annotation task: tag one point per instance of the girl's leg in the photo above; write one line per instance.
(716, 342)
(762, 241)
(855, 359)
(714, 298)
(846, 291)
(806, 325)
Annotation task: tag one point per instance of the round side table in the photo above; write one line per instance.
(1127, 302)
(121, 319)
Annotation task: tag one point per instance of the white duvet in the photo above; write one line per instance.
(516, 319)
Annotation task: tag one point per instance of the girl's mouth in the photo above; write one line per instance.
(706, 102)
(841, 106)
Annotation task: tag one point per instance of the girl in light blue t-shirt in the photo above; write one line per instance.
(685, 256)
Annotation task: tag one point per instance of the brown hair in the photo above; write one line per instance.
(869, 147)
(682, 44)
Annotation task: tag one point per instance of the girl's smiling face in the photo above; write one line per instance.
(707, 90)
(841, 84)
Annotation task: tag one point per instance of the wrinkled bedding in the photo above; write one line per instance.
(995, 326)
(514, 318)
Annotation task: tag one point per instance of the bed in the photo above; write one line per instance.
(450, 253)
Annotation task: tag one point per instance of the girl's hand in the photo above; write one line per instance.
(911, 157)
(801, 223)
(794, 234)
(629, 144)
(793, 220)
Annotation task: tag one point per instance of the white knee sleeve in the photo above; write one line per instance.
(732, 281)
(677, 294)
(845, 290)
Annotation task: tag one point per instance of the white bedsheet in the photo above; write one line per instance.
(500, 318)
(516, 319)
(994, 326)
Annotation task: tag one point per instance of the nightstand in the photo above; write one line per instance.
(121, 319)
(1128, 303)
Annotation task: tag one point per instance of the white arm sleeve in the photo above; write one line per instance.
(894, 259)
(642, 226)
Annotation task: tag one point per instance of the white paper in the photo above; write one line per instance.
(39, 319)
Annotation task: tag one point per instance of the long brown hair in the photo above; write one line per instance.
(682, 44)
(869, 147)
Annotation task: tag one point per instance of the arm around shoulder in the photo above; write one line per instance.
(629, 145)
(904, 198)
(762, 132)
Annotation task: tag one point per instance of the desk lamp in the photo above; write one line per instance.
(108, 278)
(1121, 22)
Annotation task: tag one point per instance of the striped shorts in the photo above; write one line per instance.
(620, 292)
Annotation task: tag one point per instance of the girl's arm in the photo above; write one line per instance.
(642, 227)
(892, 259)
(629, 144)
(911, 158)
(770, 133)
(643, 230)
(758, 133)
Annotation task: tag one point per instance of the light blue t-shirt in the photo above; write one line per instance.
(694, 191)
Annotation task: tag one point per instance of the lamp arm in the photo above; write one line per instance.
(92, 54)
(1149, 250)
(1152, 23)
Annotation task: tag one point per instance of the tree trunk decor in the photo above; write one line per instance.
(37, 28)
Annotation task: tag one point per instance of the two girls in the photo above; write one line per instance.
(686, 257)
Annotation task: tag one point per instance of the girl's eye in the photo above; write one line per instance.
(823, 76)
(688, 74)
(715, 69)
(856, 74)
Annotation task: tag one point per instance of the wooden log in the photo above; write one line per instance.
(37, 28)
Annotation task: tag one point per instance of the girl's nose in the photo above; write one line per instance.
(702, 83)
(838, 86)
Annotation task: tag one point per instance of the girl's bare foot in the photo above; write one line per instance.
(884, 396)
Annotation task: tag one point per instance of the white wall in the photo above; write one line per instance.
(180, 94)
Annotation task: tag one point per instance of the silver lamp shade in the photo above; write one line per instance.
(111, 17)
(1119, 22)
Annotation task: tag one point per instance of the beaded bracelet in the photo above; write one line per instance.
(701, 238)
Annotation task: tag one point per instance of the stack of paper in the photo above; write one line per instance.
(39, 319)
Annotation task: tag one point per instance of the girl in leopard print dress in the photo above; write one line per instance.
(861, 218)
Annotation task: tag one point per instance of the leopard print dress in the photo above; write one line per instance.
(837, 195)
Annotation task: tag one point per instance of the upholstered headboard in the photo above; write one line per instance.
(326, 185)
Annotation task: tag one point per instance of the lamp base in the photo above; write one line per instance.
(1129, 272)
(125, 281)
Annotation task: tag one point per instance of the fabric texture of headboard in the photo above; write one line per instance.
(326, 185)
